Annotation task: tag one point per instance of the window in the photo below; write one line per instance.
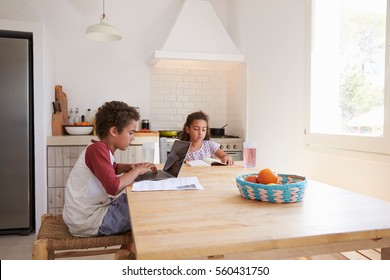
(349, 75)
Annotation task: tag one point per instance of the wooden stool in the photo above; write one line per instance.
(54, 235)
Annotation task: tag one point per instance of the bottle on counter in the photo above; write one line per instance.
(77, 118)
(89, 116)
(71, 117)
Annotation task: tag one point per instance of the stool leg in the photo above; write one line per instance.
(122, 254)
(40, 251)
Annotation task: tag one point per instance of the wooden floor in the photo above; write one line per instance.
(373, 254)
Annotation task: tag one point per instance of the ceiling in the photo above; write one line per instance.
(65, 18)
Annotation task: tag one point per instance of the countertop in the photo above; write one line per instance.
(81, 140)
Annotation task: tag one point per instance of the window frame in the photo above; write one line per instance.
(357, 143)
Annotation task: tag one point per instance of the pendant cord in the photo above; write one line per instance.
(104, 11)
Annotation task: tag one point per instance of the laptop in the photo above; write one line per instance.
(173, 164)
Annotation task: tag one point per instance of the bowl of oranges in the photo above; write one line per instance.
(267, 185)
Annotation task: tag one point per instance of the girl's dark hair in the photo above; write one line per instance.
(114, 113)
(199, 115)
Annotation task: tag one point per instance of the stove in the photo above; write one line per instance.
(224, 136)
(232, 145)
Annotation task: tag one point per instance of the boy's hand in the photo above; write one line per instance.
(145, 167)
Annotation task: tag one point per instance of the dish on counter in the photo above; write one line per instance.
(78, 129)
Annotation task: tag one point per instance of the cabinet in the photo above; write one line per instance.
(61, 159)
(133, 154)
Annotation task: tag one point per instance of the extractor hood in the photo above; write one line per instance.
(198, 35)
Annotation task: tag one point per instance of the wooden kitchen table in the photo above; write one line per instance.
(217, 222)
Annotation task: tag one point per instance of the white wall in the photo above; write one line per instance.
(271, 34)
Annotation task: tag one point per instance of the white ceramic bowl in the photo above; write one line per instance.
(78, 129)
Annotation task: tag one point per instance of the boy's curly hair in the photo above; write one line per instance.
(199, 115)
(114, 113)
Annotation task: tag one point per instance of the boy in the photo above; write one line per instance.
(93, 206)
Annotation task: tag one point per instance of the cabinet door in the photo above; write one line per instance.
(60, 160)
(135, 154)
(121, 156)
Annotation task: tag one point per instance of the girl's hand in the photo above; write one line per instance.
(224, 157)
(227, 160)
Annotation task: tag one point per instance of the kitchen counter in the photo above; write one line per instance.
(80, 140)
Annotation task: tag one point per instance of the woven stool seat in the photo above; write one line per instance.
(54, 235)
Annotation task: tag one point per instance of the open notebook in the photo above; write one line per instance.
(173, 164)
(205, 162)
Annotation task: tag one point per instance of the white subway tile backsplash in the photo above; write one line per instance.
(184, 98)
(163, 77)
(172, 84)
(164, 90)
(183, 71)
(196, 72)
(202, 78)
(178, 78)
(188, 91)
(189, 78)
(195, 98)
(208, 85)
(189, 105)
(175, 93)
(170, 111)
(170, 97)
(195, 85)
(183, 84)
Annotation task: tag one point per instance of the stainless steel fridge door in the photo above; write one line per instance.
(15, 140)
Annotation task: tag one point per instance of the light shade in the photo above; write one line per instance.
(103, 32)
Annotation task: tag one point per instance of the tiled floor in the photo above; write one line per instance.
(16, 247)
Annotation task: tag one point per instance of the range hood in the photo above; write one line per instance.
(198, 36)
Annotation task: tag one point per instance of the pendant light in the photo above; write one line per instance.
(103, 32)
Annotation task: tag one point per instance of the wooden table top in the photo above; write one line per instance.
(217, 221)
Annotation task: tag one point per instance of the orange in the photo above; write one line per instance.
(267, 176)
(251, 178)
(83, 123)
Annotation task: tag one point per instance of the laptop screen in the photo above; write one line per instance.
(176, 157)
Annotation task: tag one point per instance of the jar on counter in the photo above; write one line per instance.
(145, 124)
(139, 121)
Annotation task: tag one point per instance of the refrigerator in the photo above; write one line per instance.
(17, 134)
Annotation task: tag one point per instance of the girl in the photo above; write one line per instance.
(196, 131)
